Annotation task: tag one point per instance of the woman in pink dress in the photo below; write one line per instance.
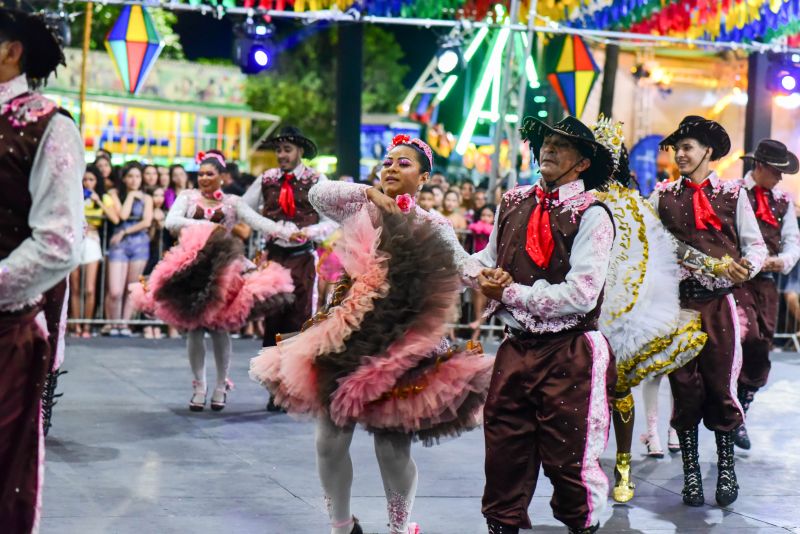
(377, 357)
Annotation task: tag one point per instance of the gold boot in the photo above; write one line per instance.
(623, 489)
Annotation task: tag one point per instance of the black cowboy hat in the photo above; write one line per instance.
(710, 133)
(776, 155)
(292, 135)
(43, 51)
(602, 161)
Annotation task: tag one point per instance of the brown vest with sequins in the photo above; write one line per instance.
(18, 146)
(676, 211)
(772, 234)
(512, 229)
(304, 215)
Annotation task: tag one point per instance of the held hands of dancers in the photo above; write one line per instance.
(493, 282)
(738, 272)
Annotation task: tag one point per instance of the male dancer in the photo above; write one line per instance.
(713, 217)
(758, 297)
(549, 399)
(41, 225)
(282, 193)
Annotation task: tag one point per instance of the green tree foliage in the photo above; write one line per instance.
(104, 16)
(302, 87)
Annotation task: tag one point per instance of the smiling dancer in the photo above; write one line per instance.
(205, 282)
(641, 316)
(716, 218)
(377, 356)
(41, 164)
(758, 297)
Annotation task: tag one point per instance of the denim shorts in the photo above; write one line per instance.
(133, 247)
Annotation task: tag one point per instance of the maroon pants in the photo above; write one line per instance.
(24, 362)
(705, 388)
(304, 276)
(548, 405)
(758, 300)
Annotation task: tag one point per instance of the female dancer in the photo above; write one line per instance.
(200, 284)
(376, 356)
(129, 246)
(650, 333)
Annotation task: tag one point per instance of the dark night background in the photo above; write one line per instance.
(203, 36)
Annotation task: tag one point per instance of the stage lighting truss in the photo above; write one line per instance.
(253, 48)
(449, 58)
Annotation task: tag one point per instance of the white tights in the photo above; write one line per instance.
(221, 341)
(650, 396)
(398, 472)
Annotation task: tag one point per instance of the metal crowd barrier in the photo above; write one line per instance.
(786, 335)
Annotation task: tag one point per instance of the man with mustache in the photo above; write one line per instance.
(549, 399)
(282, 194)
(716, 218)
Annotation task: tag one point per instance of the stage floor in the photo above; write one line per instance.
(126, 456)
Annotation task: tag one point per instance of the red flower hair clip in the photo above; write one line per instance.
(205, 155)
(403, 139)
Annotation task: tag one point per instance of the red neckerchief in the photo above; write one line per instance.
(286, 200)
(704, 215)
(763, 210)
(539, 243)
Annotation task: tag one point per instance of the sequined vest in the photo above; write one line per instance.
(779, 204)
(676, 211)
(305, 214)
(512, 228)
(19, 141)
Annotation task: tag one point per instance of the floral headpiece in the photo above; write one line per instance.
(403, 139)
(205, 155)
(609, 134)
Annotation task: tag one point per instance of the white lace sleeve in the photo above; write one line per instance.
(754, 250)
(468, 266)
(790, 240)
(271, 229)
(584, 282)
(55, 218)
(176, 217)
(337, 200)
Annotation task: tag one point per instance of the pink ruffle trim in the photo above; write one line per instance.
(239, 292)
(288, 370)
(445, 387)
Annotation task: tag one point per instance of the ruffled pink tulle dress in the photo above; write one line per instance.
(205, 281)
(376, 356)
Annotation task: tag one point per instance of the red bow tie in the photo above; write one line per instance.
(704, 215)
(539, 243)
(286, 199)
(763, 210)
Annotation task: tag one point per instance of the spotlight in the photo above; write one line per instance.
(788, 82)
(449, 56)
(253, 47)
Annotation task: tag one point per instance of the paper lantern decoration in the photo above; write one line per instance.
(571, 71)
(134, 45)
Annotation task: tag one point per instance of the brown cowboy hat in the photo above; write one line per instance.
(602, 161)
(776, 155)
(290, 134)
(708, 132)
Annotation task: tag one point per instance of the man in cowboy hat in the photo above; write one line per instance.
(758, 297)
(282, 194)
(549, 399)
(41, 227)
(712, 216)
